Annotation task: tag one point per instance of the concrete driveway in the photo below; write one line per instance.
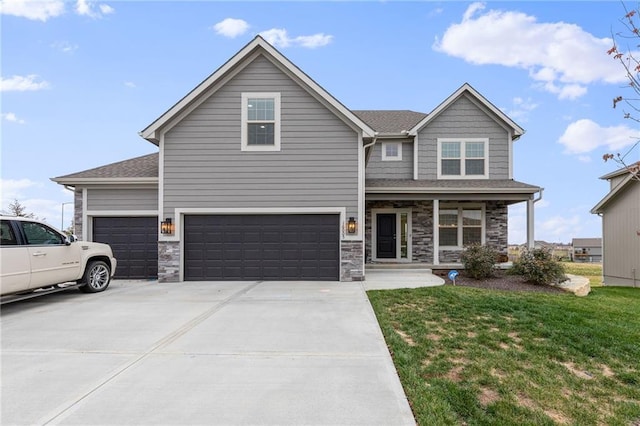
(199, 353)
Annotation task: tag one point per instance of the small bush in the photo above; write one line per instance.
(539, 267)
(479, 261)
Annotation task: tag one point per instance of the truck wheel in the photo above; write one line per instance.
(96, 277)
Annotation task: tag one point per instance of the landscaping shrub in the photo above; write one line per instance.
(479, 261)
(538, 266)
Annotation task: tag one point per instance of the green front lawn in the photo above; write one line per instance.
(593, 271)
(474, 356)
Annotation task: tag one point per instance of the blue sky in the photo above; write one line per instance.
(80, 79)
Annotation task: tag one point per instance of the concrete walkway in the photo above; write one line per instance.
(199, 354)
(390, 279)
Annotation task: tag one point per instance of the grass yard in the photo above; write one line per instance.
(485, 357)
(593, 271)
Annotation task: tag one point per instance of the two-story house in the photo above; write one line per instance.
(261, 174)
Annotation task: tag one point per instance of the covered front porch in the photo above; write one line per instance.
(427, 224)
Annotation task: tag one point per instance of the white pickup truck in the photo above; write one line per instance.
(34, 255)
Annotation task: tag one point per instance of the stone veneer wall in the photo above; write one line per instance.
(168, 261)
(421, 224)
(496, 226)
(351, 262)
(77, 213)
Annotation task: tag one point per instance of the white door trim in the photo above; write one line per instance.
(374, 234)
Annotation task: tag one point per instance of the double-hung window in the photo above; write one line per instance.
(463, 158)
(461, 226)
(260, 122)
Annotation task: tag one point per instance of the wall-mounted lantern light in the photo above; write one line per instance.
(352, 225)
(166, 226)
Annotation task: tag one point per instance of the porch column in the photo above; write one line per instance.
(530, 237)
(436, 232)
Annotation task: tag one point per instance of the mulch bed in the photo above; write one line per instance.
(502, 281)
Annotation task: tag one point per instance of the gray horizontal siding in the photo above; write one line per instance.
(317, 165)
(378, 169)
(464, 119)
(621, 220)
(122, 199)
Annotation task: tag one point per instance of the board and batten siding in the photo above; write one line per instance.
(378, 169)
(317, 165)
(621, 222)
(464, 119)
(120, 199)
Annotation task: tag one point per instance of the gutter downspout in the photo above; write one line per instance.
(375, 139)
(530, 220)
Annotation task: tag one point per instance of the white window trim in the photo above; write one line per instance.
(462, 158)
(244, 121)
(460, 207)
(384, 151)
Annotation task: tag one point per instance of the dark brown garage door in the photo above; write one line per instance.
(262, 247)
(134, 241)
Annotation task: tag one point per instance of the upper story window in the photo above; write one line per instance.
(391, 151)
(260, 122)
(463, 158)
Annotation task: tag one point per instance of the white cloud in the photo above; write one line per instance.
(560, 229)
(584, 158)
(65, 46)
(560, 57)
(279, 37)
(585, 135)
(19, 83)
(520, 109)
(10, 116)
(130, 84)
(14, 189)
(86, 8)
(40, 10)
(231, 27)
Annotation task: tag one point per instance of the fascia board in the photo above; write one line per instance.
(517, 130)
(106, 181)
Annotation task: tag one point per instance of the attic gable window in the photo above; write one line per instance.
(391, 151)
(260, 122)
(463, 158)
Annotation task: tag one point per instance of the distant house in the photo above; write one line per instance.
(587, 250)
(620, 212)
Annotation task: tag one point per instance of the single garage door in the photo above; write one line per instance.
(134, 241)
(262, 247)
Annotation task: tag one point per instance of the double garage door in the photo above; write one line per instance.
(262, 247)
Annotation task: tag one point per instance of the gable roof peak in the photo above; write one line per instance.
(195, 96)
(516, 130)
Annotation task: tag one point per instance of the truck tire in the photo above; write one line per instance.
(96, 277)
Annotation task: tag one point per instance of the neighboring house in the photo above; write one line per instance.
(261, 174)
(620, 212)
(587, 250)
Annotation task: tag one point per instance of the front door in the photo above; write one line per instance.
(386, 236)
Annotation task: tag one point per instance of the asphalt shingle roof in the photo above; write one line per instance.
(390, 121)
(139, 167)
